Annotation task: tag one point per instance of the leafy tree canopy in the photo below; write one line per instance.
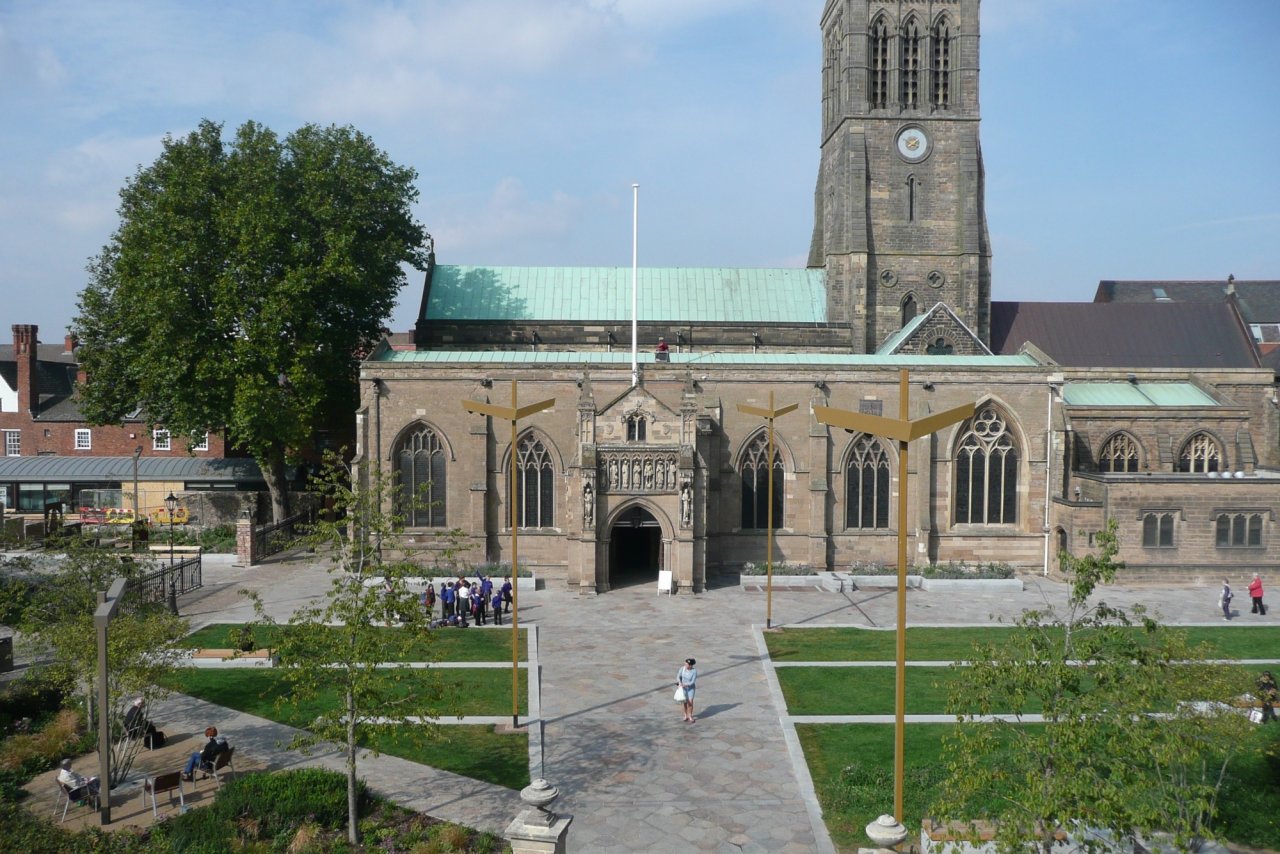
(242, 284)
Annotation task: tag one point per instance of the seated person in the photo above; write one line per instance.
(135, 720)
(207, 755)
(74, 781)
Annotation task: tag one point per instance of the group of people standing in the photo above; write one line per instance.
(1255, 593)
(464, 600)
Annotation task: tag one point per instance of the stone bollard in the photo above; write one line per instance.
(886, 832)
(537, 830)
(245, 555)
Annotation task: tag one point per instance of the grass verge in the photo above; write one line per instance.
(440, 645)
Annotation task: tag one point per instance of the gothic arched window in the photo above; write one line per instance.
(636, 423)
(878, 66)
(535, 484)
(867, 485)
(420, 471)
(910, 64)
(755, 485)
(908, 309)
(1200, 454)
(941, 41)
(987, 472)
(1120, 453)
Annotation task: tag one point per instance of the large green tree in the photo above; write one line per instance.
(243, 283)
(1137, 731)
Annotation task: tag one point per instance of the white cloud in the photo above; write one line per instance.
(24, 65)
(508, 216)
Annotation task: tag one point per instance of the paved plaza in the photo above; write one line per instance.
(605, 728)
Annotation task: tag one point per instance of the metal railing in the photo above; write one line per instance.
(184, 576)
(280, 536)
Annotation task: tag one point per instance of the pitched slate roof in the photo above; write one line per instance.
(1125, 335)
(578, 294)
(1259, 299)
(55, 378)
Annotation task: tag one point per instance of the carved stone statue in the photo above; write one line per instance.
(588, 505)
(686, 504)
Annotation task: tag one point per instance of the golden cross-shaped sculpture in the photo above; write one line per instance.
(769, 415)
(903, 429)
(512, 413)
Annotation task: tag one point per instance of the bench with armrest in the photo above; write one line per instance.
(171, 782)
(80, 795)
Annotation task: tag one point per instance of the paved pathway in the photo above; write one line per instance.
(634, 776)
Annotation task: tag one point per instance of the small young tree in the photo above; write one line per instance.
(1137, 725)
(351, 639)
(143, 641)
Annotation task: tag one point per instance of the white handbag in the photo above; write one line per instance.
(680, 696)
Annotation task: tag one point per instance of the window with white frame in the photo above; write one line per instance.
(159, 440)
(202, 445)
(84, 439)
(13, 443)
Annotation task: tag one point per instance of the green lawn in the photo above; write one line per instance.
(472, 751)
(438, 645)
(956, 644)
(863, 690)
(1249, 806)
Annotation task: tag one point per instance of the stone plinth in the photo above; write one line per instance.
(886, 831)
(537, 830)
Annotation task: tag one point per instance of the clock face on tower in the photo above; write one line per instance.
(913, 144)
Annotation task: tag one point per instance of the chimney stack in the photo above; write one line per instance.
(69, 344)
(24, 353)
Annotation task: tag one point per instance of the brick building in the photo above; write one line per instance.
(52, 456)
(1161, 417)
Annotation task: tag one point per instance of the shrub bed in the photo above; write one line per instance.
(784, 568)
(949, 570)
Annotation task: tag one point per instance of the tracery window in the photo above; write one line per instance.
(1157, 530)
(867, 485)
(987, 472)
(831, 78)
(908, 309)
(535, 484)
(636, 427)
(1200, 454)
(911, 64)
(941, 41)
(755, 485)
(940, 347)
(1239, 531)
(1120, 453)
(878, 67)
(420, 467)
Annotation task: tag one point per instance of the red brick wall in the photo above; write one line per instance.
(58, 437)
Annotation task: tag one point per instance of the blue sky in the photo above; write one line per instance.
(1121, 138)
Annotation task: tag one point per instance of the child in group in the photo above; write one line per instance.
(506, 595)
(497, 607)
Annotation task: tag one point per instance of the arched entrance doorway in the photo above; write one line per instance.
(635, 548)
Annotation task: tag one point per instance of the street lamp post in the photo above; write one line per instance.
(769, 415)
(171, 506)
(512, 413)
(903, 429)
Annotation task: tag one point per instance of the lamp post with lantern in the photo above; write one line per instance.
(171, 507)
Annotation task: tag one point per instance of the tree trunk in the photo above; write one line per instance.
(273, 473)
(353, 807)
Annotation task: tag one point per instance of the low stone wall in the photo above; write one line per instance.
(833, 581)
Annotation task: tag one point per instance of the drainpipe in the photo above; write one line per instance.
(1055, 383)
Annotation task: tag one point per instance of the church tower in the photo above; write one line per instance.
(900, 223)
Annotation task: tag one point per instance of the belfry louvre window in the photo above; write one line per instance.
(1157, 530)
(987, 472)
(911, 64)
(1119, 454)
(420, 465)
(1200, 454)
(1239, 531)
(941, 40)
(755, 486)
(535, 485)
(867, 485)
(878, 66)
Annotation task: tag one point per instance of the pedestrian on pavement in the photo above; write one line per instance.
(1255, 593)
(687, 678)
(464, 601)
(1268, 694)
(447, 595)
(429, 601)
(506, 596)
(497, 607)
(1225, 599)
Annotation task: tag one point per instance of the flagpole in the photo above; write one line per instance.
(635, 217)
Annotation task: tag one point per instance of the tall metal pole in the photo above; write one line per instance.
(108, 602)
(635, 256)
(515, 574)
(768, 565)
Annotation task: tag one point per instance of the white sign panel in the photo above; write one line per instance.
(664, 581)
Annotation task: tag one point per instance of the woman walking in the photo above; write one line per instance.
(687, 679)
(1255, 593)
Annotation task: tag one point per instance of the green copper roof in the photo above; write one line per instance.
(1135, 394)
(584, 294)
(623, 357)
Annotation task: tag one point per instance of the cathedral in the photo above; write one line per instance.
(1158, 414)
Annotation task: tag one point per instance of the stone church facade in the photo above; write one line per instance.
(619, 479)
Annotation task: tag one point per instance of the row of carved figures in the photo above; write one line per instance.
(648, 473)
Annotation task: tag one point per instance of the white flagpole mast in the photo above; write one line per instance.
(635, 214)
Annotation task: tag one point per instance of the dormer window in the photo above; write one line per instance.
(636, 427)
